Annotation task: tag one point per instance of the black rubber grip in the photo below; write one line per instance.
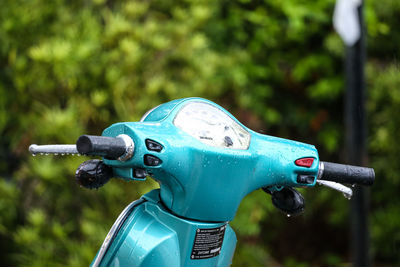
(348, 174)
(107, 147)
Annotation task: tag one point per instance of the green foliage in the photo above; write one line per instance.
(384, 101)
(385, 157)
(8, 211)
(74, 67)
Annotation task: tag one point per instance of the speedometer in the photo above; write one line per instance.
(211, 126)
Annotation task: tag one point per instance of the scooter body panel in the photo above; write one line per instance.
(152, 236)
(203, 182)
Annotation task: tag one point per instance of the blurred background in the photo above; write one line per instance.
(74, 67)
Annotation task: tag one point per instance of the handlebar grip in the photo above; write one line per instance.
(348, 174)
(107, 147)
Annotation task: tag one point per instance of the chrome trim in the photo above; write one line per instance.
(147, 113)
(52, 149)
(115, 229)
(320, 170)
(129, 147)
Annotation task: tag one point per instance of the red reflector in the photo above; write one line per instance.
(304, 162)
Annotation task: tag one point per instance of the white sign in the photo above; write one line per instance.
(346, 22)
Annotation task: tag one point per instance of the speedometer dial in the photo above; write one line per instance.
(211, 126)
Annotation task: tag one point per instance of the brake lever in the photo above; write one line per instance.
(347, 191)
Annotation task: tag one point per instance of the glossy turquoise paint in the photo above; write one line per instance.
(206, 183)
(152, 236)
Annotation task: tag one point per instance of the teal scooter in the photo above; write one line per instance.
(206, 162)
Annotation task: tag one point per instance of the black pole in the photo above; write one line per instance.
(356, 144)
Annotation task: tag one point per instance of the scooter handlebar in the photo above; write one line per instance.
(120, 147)
(342, 173)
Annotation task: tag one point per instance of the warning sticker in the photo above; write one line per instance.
(208, 243)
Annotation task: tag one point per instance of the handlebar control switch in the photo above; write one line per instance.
(93, 174)
(151, 160)
(305, 179)
(140, 173)
(304, 162)
(153, 145)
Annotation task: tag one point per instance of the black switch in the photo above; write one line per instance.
(153, 145)
(305, 179)
(151, 160)
(139, 173)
